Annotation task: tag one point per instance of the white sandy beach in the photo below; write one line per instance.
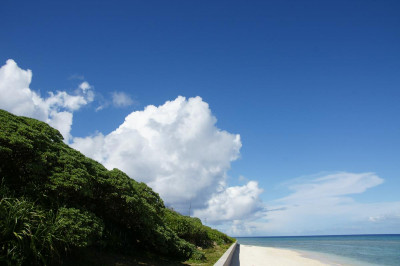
(257, 256)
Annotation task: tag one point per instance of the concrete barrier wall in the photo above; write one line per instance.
(226, 259)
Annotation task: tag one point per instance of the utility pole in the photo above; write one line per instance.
(190, 206)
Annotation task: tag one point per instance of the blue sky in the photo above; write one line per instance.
(311, 87)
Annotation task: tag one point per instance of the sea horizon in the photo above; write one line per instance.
(357, 249)
(315, 235)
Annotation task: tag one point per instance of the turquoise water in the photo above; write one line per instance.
(347, 250)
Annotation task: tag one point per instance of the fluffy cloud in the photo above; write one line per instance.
(324, 205)
(175, 148)
(233, 204)
(56, 109)
(85, 86)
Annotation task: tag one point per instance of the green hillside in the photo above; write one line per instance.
(55, 203)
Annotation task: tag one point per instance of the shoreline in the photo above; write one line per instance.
(256, 255)
(354, 250)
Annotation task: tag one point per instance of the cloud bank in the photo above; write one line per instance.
(325, 205)
(176, 149)
(57, 109)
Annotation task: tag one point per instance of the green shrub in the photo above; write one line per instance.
(197, 255)
(219, 237)
(78, 228)
(192, 230)
(55, 199)
(188, 228)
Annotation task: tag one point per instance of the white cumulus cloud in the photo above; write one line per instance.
(56, 110)
(175, 148)
(233, 203)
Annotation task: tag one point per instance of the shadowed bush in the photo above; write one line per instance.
(31, 234)
(192, 230)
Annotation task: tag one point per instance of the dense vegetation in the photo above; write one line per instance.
(54, 200)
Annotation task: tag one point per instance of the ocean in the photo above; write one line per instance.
(338, 250)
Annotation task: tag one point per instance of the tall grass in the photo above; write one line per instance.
(31, 235)
(25, 234)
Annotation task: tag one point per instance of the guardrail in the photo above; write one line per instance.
(226, 259)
